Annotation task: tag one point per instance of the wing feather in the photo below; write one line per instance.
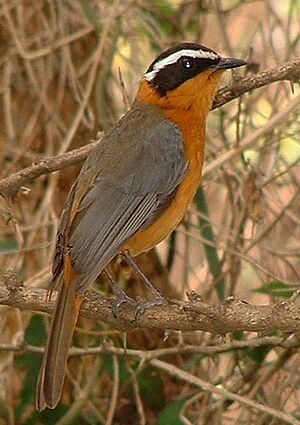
(130, 177)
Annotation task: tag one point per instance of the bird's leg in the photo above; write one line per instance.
(158, 298)
(121, 297)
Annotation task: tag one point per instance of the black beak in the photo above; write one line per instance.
(228, 63)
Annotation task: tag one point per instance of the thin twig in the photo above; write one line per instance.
(252, 138)
(114, 393)
(204, 385)
(274, 341)
(289, 71)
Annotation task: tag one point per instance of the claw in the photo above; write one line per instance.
(144, 305)
(121, 298)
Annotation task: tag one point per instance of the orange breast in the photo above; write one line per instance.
(187, 106)
(194, 135)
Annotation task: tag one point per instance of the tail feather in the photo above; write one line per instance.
(52, 373)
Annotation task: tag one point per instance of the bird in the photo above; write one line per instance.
(133, 189)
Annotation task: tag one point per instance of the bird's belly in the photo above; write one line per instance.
(171, 217)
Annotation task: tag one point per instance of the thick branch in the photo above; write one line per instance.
(10, 186)
(195, 314)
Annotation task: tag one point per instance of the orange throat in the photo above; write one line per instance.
(188, 109)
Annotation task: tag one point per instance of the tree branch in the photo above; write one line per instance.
(223, 392)
(233, 315)
(10, 185)
(289, 71)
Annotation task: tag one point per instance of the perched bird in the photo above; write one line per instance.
(133, 188)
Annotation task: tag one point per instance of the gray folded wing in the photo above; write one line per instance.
(138, 170)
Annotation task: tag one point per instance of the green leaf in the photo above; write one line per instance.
(171, 414)
(8, 245)
(239, 335)
(165, 7)
(50, 417)
(35, 333)
(151, 387)
(258, 354)
(171, 250)
(206, 230)
(276, 288)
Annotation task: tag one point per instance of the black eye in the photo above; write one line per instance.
(187, 63)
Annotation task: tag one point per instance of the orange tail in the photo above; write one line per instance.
(52, 373)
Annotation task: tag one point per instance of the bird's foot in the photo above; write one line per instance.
(121, 298)
(144, 305)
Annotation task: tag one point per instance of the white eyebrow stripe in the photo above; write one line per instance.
(173, 58)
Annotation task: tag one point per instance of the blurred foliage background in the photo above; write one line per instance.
(70, 69)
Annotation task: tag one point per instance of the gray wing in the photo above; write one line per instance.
(136, 177)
